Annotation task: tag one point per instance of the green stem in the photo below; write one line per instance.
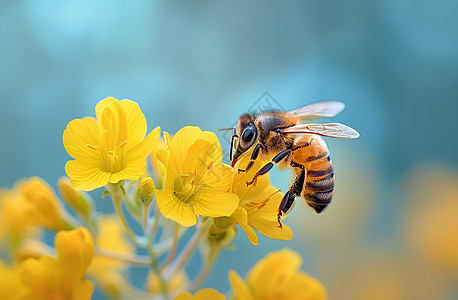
(145, 218)
(206, 268)
(186, 253)
(155, 223)
(156, 268)
(173, 249)
(134, 259)
(117, 196)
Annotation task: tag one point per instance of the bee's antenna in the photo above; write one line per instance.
(225, 129)
(234, 135)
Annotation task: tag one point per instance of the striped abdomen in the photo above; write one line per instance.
(319, 186)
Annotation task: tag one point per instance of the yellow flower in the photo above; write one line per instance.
(43, 208)
(62, 277)
(107, 271)
(277, 276)
(259, 204)
(431, 222)
(203, 294)
(11, 287)
(108, 149)
(14, 220)
(175, 284)
(197, 182)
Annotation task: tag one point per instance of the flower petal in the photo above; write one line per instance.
(240, 216)
(219, 177)
(181, 141)
(209, 294)
(264, 219)
(241, 290)
(113, 121)
(80, 133)
(216, 204)
(84, 177)
(172, 208)
(302, 286)
(273, 270)
(136, 121)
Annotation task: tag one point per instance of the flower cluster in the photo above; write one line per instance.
(182, 199)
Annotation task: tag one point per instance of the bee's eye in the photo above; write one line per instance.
(248, 136)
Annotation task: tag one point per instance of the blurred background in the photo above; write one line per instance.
(392, 229)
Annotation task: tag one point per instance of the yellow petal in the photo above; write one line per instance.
(84, 177)
(216, 204)
(209, 294)
(302, 286)
(181, 141)
(83, 291)
(271, 229)
(75, 248)
(142, 150)
(219, 177)
(172, 208)
(113, 120)
(136, 121)
(272, 271)
(241, 291)
(265, 221)
(200, 152)
(80, 133)
(132, 172)
(240, 216)
(203, 294)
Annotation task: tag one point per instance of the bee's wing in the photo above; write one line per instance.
(335, 130)
(320, 109)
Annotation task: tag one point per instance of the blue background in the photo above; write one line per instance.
(394, 63)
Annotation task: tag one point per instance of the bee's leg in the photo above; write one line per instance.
(279, 157)
(254, 156)
(293, 192)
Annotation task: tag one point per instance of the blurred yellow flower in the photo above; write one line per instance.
(14, 220)
(259, 204)
(277, 276)
(107, 271)
(11, 287)
(197, 182)
(108, 149)
(42, 206)
(62, 277)
(431, 222)
(203, 294)
(175, 284)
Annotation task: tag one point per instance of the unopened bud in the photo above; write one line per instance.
(79, 201)
(146, 190)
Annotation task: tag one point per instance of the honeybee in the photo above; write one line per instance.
(295, 144)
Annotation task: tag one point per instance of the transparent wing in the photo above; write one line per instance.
(320, 109)
(334, 130)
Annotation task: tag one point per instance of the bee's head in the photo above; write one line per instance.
(246, 133)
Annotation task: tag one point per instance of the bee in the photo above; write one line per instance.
(295, 144)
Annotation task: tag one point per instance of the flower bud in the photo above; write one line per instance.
(146, 190)
(78, 201)
(43, 207)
